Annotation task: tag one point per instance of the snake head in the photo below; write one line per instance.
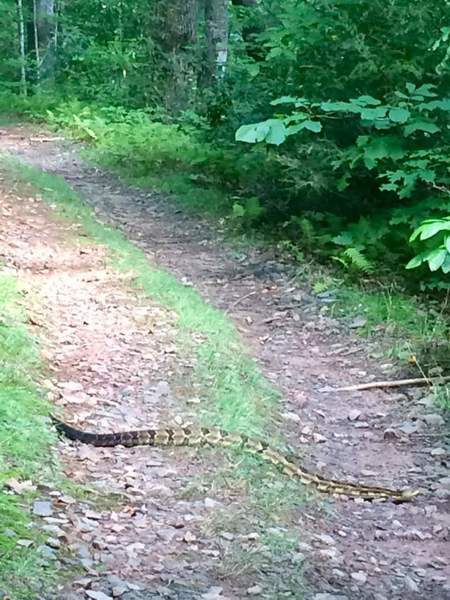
(406, 496)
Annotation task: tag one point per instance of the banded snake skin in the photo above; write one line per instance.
(185, 436)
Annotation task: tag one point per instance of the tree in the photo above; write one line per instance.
(216, 23)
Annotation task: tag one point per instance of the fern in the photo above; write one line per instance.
(356, 259)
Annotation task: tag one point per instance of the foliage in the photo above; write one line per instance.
(436, 235)
(357, 146)
(400, 146)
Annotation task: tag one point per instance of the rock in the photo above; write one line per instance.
(291, 416)
(327, 596)
(255, 590)
(54, 543)
(360, 577)
(327, 539)
(410, 584)
(42, 508)
(354, 414)
(357, 322)
(211, 503)
(71, 386)
(214, 593)
(391, 434)
(189, 537)
(119, 590)
(445, 483)
(433, 420)
(47, 552)
(97, 595)
(408, 427)
(438, 452)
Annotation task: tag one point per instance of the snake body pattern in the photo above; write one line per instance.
(185, 436)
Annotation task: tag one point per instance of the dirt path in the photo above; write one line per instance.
(358, 550)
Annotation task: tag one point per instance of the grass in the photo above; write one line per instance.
(401, 324)
(25, 442)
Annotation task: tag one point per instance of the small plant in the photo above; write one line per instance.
(435, 236)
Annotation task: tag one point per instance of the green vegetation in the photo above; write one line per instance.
(25, 438)
(319, 127)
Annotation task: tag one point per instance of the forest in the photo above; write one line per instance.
(224, 299)
(309, 121)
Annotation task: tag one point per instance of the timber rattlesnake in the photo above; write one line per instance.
(185, 436)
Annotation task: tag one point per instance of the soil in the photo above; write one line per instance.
(114, 357)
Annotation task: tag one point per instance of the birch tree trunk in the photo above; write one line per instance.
(21, 31)
(37, 54)
(216, 20)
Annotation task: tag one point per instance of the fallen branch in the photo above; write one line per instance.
(240, 300)
(391, 384)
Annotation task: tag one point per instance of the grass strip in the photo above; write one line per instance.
(25, 442)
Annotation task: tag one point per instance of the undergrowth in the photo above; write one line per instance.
(25, 442)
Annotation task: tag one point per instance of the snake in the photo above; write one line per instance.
(216, 437)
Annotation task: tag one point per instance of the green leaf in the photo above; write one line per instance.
(314, 126)
(238, 210)
(378, 148)
(446, 265)
(369, 114)
(410, 87)
(399, 115)
(285, 100)
(277, 132)
(447, 243)
(366, 101)
(415, 262)
(425, 90)
(428, 230)
(421, 125)
(246, 133)
(340, 107)
(437, 258)
(272, 131)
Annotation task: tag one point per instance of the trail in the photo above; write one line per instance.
(106, 374)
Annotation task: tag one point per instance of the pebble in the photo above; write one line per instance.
(42, 508)
(47, 552)
(410, 584)
(354, 415)
(327, 596)
(433, 420)
(445, 483)
(359, 576)
(255, 590)
(97, 595)
(438, 452)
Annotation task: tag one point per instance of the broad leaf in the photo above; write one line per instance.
(421, 125)
(436, 258)
(399, 115)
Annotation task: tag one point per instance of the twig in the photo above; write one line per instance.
(390, 384)
(241, 299)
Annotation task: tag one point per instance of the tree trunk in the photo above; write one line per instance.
(46, 29)
(175, 30)
(37, 54)
(216, 19)
(21, 30)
